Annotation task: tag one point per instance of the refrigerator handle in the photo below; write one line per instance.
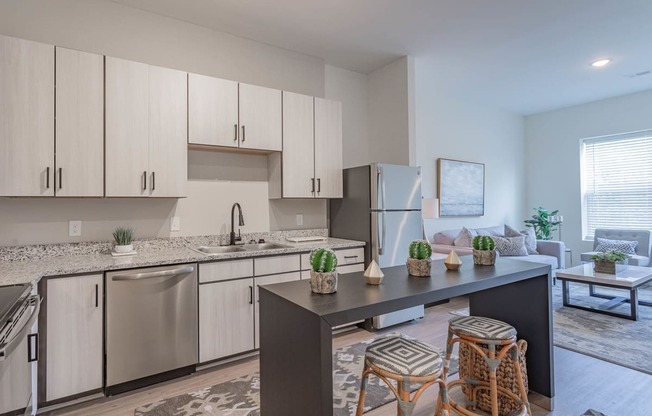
(381, 184)
(380, 180)
(381, 231)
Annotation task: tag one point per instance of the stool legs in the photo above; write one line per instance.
(363, 390)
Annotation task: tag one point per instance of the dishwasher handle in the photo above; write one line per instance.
(150, 275)
(9, 347)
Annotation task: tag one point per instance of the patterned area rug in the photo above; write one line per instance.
(240, 396)
(608, 338)
(592, 412)
(616, 340)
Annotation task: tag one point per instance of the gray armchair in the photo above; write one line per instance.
(643, 248)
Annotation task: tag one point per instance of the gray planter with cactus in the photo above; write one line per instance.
(484, 253)
(419, 263)
(323, 273)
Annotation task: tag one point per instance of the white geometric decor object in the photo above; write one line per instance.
(373, 275)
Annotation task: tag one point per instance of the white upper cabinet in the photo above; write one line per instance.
(79, 169)
(127, 127)
(26, 118)
(146, 141)
(328, 148)
(227, 114)
(260, 118)
(311, 164)
(298, 164)
(168, 129)
(212, 111)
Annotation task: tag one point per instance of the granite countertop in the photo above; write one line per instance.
(31, 271)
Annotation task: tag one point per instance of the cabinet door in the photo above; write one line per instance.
(298, 146)
(127, 128)
(168, 130)
(328, 148)
(212, 111)
(270, 280)
(80, 124)
(26, 118)
(226, 319)
(73, 342)
(260, 118)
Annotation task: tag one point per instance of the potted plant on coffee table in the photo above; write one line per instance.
(606, 262)
(323, 273)
(484, 253)
(419, 262)
(123, 237)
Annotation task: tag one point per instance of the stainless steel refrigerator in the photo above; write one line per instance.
(381, 205)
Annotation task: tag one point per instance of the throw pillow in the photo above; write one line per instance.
(626, 246)
(511, 246)
(530, 238)
(465, 238)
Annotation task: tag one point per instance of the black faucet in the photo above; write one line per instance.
(232, 237)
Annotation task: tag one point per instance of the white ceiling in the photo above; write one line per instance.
(525, 56)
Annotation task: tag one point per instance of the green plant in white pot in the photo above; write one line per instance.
(323, 276)
(419, 263)
(123, 236)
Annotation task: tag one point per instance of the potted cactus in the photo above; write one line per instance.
(323, 276)
(123, 237)
(606, 262)
(484, 253)
(419, 262)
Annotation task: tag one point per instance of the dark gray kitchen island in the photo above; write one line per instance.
(296, 325)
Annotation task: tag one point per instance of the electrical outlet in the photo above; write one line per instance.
(299, 219)
(74, 228)
(175, 224)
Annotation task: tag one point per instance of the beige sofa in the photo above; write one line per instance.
(550, 252)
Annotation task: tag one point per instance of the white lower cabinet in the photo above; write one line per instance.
(74, 331)
(270, 280)
(226, 318)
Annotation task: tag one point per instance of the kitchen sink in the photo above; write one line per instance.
(263, 246)
(219, 249)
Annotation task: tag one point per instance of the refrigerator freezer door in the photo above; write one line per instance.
(392, 233)
(396, 187)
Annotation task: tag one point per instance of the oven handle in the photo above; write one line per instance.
(10, 346)
(149, 275)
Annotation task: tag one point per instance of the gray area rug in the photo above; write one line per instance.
(608, 338)
(616, 340)
(240, 396)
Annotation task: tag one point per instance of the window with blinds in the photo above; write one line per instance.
(617, 182)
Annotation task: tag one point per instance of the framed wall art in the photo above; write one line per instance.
(460, 188)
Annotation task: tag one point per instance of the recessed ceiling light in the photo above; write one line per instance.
(601, 63)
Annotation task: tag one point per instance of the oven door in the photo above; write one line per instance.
(18, 350)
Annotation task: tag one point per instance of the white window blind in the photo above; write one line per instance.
(617, 182)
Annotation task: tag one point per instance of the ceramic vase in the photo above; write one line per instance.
(323, 283)
(484, 257)
(419, 268)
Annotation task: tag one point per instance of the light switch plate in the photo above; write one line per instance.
(74, 228)
(175, 224)
(299, 219)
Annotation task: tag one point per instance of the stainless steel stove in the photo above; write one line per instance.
(18, 348)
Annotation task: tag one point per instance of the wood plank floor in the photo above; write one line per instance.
(582, 382)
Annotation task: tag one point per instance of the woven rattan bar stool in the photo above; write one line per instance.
(492, 340)
(406, 361)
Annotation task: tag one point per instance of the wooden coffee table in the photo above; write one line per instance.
(627, 277)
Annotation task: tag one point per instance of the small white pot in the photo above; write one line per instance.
(124, 249)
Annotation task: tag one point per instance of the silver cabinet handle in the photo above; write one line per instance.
(350, 257)
(150, 275)
(144, 180)
(153, 181)
(312, 190)
(235, 135)
(243, 134)
(251, 295)
(60, 178)
(7, 348)
(318, 185)
(47, 177)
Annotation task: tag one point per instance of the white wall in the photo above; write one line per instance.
(452, 128)
(389, 117)
(108, 28)
(553, 154)
(350, 88)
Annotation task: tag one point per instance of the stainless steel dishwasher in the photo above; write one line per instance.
(151, 325)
